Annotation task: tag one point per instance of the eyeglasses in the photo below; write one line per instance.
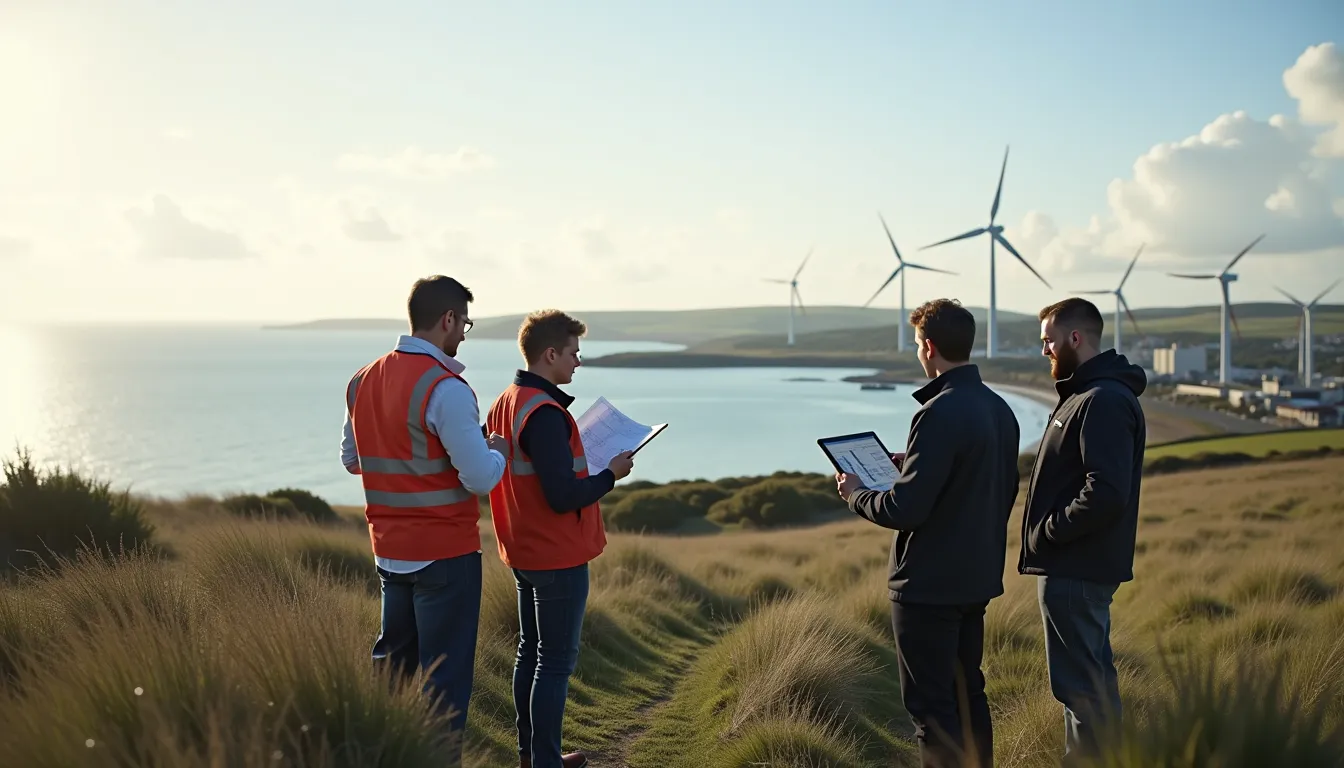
(467, 324)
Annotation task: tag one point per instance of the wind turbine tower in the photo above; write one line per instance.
(1306, 358)
(995, 232)
(793, 293)
(900, 270)
(1120, 301)
(1228, 319)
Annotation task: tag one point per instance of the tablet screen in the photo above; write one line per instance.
(862, 455)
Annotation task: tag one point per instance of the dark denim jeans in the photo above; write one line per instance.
(551, 605)
(939, 650)
(1077, 617)
(432, 615)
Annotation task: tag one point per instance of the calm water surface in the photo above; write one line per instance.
(168, 410)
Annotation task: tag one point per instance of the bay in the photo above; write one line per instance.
(171, 410)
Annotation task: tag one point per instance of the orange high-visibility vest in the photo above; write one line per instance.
(415, 504)
(531, 535)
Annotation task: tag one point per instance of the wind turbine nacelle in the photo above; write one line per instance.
(1229, 278)
(997, 229)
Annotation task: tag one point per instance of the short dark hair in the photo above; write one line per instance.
(1075, 314)
(950, 326)
(432, 297)
(547, 328)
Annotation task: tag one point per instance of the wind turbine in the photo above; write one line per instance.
(793, 292)
(1306, 360)
(900, 270)
(995, 232)
(1120, 300)
(1225, 278)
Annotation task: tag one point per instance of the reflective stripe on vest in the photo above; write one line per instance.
(521, 467)
(419, 463)
(517, 464)
(441, 498)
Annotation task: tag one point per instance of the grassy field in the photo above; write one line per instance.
(1255, 445)
(244, 642)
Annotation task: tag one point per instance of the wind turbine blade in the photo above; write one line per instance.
(799, 297)
(972, 233)
(1125, 304)
(1321, 295)
(775, 280)
(1290, 297)
(1194, 277)
(1004, 242)
(1093, 293)
(1131, 267)
(891, 239)
(804, 264)
(884, 285)
(998, 193)
(1243, 253)
(928, 269)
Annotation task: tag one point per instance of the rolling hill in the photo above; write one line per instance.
(690, 326)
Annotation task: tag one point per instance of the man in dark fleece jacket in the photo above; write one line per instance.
(1082, 514)
(950, 509)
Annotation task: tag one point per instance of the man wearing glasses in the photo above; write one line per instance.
(412, 433)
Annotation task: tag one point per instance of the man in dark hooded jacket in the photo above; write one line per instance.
(1082, 514)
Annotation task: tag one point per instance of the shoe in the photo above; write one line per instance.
(572, 760)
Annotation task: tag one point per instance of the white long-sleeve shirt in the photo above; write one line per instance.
(453, 415)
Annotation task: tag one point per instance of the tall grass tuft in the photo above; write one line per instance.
(146, 665)
(1240, 718)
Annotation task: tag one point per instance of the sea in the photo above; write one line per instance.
(170, 410)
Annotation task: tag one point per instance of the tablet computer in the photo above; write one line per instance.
(864, 455)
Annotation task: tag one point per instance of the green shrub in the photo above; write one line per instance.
(310, 505)
(651, 509)
(60, 512)
(252, 505)
(768, 504)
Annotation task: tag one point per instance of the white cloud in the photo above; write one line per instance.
(1317, 82)
(414, 162)
(367, 226)
(1208, 195)
(166, 233)
(176, 133)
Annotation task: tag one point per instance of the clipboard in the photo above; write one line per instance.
(657, 428)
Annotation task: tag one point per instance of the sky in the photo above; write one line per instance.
(269, 162)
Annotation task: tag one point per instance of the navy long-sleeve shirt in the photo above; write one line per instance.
(545, 440)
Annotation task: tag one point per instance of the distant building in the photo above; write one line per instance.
(1202, 390)
(1332, 391)
(1309, 414)
(1180, 362)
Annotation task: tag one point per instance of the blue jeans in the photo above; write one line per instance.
(1077, 616)
(551, 605)
(432, 615)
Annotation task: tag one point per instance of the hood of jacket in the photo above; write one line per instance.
(1106, 365)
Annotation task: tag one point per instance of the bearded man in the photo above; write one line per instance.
(1082, 513)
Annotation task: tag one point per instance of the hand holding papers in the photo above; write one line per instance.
(606, 432)
(862, 456)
